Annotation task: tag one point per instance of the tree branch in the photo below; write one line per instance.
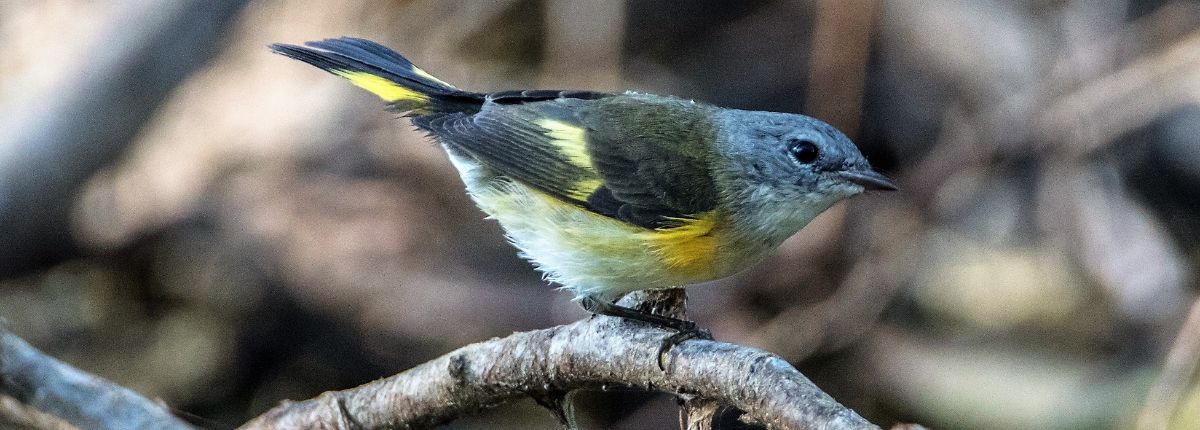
(84, 400)
(17, 415)
(1178, 373)
(588, 354)
(592, 353)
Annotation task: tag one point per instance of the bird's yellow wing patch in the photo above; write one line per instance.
(387, 90)
(571, 142)
(582, 189)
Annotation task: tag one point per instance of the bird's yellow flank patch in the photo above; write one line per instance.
(690, 248)
(385, 89)
(571, 141)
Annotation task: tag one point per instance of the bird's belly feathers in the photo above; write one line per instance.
(592, 254)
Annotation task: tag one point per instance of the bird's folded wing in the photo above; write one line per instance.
(621, 157)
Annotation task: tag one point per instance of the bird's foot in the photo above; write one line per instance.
(684, 330)
(687, 332)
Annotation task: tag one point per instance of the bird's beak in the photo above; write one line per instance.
(870, 180)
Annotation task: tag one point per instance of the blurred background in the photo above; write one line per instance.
(188, 215)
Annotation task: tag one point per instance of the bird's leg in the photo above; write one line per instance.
(603, 307)
(685, 330)
(560, 404)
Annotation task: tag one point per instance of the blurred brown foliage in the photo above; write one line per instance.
(271, 233)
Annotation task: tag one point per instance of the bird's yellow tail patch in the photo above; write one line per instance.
(387, 90)
(383, 72)
(423, 74)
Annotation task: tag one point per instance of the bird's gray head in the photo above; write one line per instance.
(782, 170)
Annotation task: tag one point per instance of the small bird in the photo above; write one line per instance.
(612, 193)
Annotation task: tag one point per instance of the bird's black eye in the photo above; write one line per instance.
(804, 150)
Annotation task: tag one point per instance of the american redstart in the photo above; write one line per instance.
(612, 193)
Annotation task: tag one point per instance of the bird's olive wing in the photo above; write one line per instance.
(654, 158)
(622, 159)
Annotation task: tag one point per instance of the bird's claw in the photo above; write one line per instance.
(691, 331)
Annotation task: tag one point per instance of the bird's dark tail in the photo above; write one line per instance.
(385, 73)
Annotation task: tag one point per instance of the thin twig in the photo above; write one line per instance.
(698, 414)
(17, 415)
(84, 400)
(1178, 372)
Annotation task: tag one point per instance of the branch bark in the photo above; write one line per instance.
(588, 354)
(82, 399)
(17, 415)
